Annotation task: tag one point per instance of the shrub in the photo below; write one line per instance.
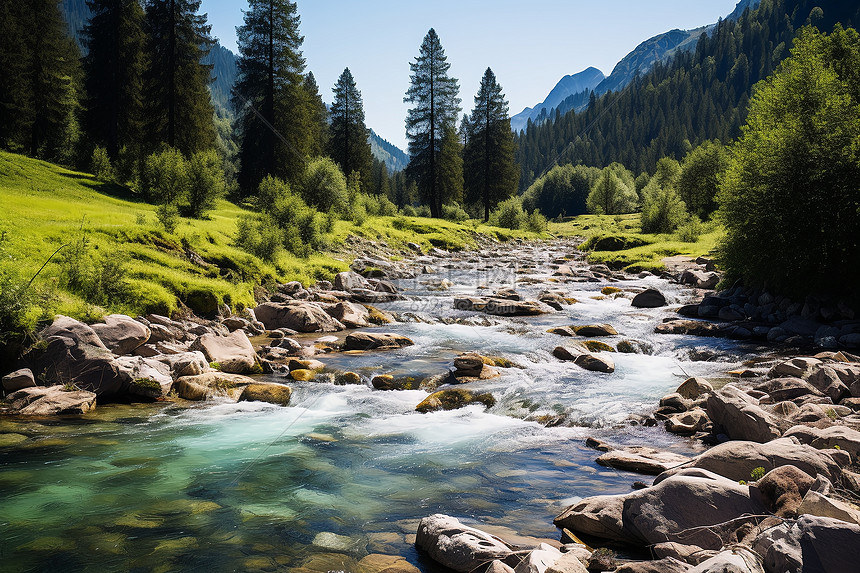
(613, 193)
(691, 230)
(662, 208)
(409, 211)
(562, 191)
(701, 172)
(454, 212)
(206, 183)
(168, 215)
(423, 211)
(324, 186)
(259, 235)
(509, 214)
(270, 193)
(535, 222)
(101, 166)
(165, 177)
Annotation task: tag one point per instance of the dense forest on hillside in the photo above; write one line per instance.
(698, 96)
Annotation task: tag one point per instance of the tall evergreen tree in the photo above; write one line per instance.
(16, 105)
(318, 117)
(274, 106)
(491, 176)
(113, 68)
(450, 179)
(349, 146)
(179, 110)
(436, 107)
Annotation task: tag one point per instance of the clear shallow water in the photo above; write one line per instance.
(343, 471)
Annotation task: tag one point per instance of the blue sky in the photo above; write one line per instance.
(530, 45)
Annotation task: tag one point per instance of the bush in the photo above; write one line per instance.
(563, 191)
(206, 183)
(168, 215)
(101, 166)
(701, 172)
(409, 211)
(454, 212)
(423, 211)
(324, 186)
(271, 193)
(509, 214)
(613, 193)
(535, 222)
(662, 208)
(165, 177)
(691, 230)
(259, 235)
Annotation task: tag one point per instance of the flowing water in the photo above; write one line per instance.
(348, 470)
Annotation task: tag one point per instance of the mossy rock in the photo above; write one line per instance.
(347, 378)
(7, 440)
(610, 290)
(597, 346)
(378, 317)
(270, 393)
(302, 375)
(453, 399)
(498, 361)
(389, 382)
(202, 302)
(612, 243)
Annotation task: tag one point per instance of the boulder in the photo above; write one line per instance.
(686, 508)
(595, 330)
(649, 298)
(818, 504)
(735, 560)
(843, 437)
(185, 363)
(739, 416)
(781, 389)
(74, 329)
(18, 380)
(121, 334)
(827, 381)
(500, 307)
(298, 316)
(453, 399)
(472, 365)
(150, 378)
(373, 296)
(810, 544)
(699, 279)
(305, 364)
(205, 385)
(693, 388)
(641, 460)
(737, 459)
(374, 341)
(800, 367)
(783, 488)
(538, 560)
(348, 281)
(233, 353)
(585, 360)
(272, 393)
(457, 546)
(689, 327)
(51, 401)
(350, 314)
(688, 422)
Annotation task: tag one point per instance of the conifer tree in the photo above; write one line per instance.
(178, 108)
(436, 107)
(113, 68)
(349, 146)
(273, 105)
(491, 174)
(318, 117)
(451, 167)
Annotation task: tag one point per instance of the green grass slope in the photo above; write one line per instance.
(115, 256)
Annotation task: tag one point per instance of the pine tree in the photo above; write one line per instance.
(349, 146)
(178, 107)
(436, 107)
(318, 121)
(16, 103)
(491, 174)
(451, 167)
(113, 68)
(274, 106)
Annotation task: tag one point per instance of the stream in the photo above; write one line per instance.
(346, 471)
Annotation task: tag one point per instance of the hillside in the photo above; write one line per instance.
(699, 95)
(395, 159)
(568, 86)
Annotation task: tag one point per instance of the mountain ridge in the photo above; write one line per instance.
(568, 86)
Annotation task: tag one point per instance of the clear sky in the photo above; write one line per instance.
(529, 44)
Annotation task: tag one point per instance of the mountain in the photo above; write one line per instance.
(393, 157)
(584, 81)
(77, 15)
(698, 95)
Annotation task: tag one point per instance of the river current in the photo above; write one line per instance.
(346, 471)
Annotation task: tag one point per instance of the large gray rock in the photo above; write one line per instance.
(350, 280)
(811, 544)
(233, 353)
(818, 504)
(847, 439)
(52, 401)
(74, 329)
(827, 381)
(569, 562)
(538, 560)
(149, 377)
(692, 388)
(585, 360)
(185, 363)
(737, 459)
(121, 334)
(457, 546)
(799, 367)
(736, 560)
(686, 508)
(738, 415)
(375, 340)
(649, 298)
(641, 460)
(781, 389)
(501, 307)
(350, 314)
(18, 380)
(665, 565)
(298, 316)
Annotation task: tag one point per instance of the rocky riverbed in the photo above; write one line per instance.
(439, 408)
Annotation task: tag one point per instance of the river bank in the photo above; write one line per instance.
(348, 471)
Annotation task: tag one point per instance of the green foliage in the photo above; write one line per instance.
(757, 473)
(260, 236)
(490, 173)
(563, 191)
(535, 222)
(100, 165)
(450, 167)
(614, 192)
(425, 124)
(348, 145)
(165, 177)
(699, 181)
(790, 200)
(690, 230)
(454, 212)
(509, 214)
(206, 182)
(662, 208)
(168, 215)
(324, 186)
